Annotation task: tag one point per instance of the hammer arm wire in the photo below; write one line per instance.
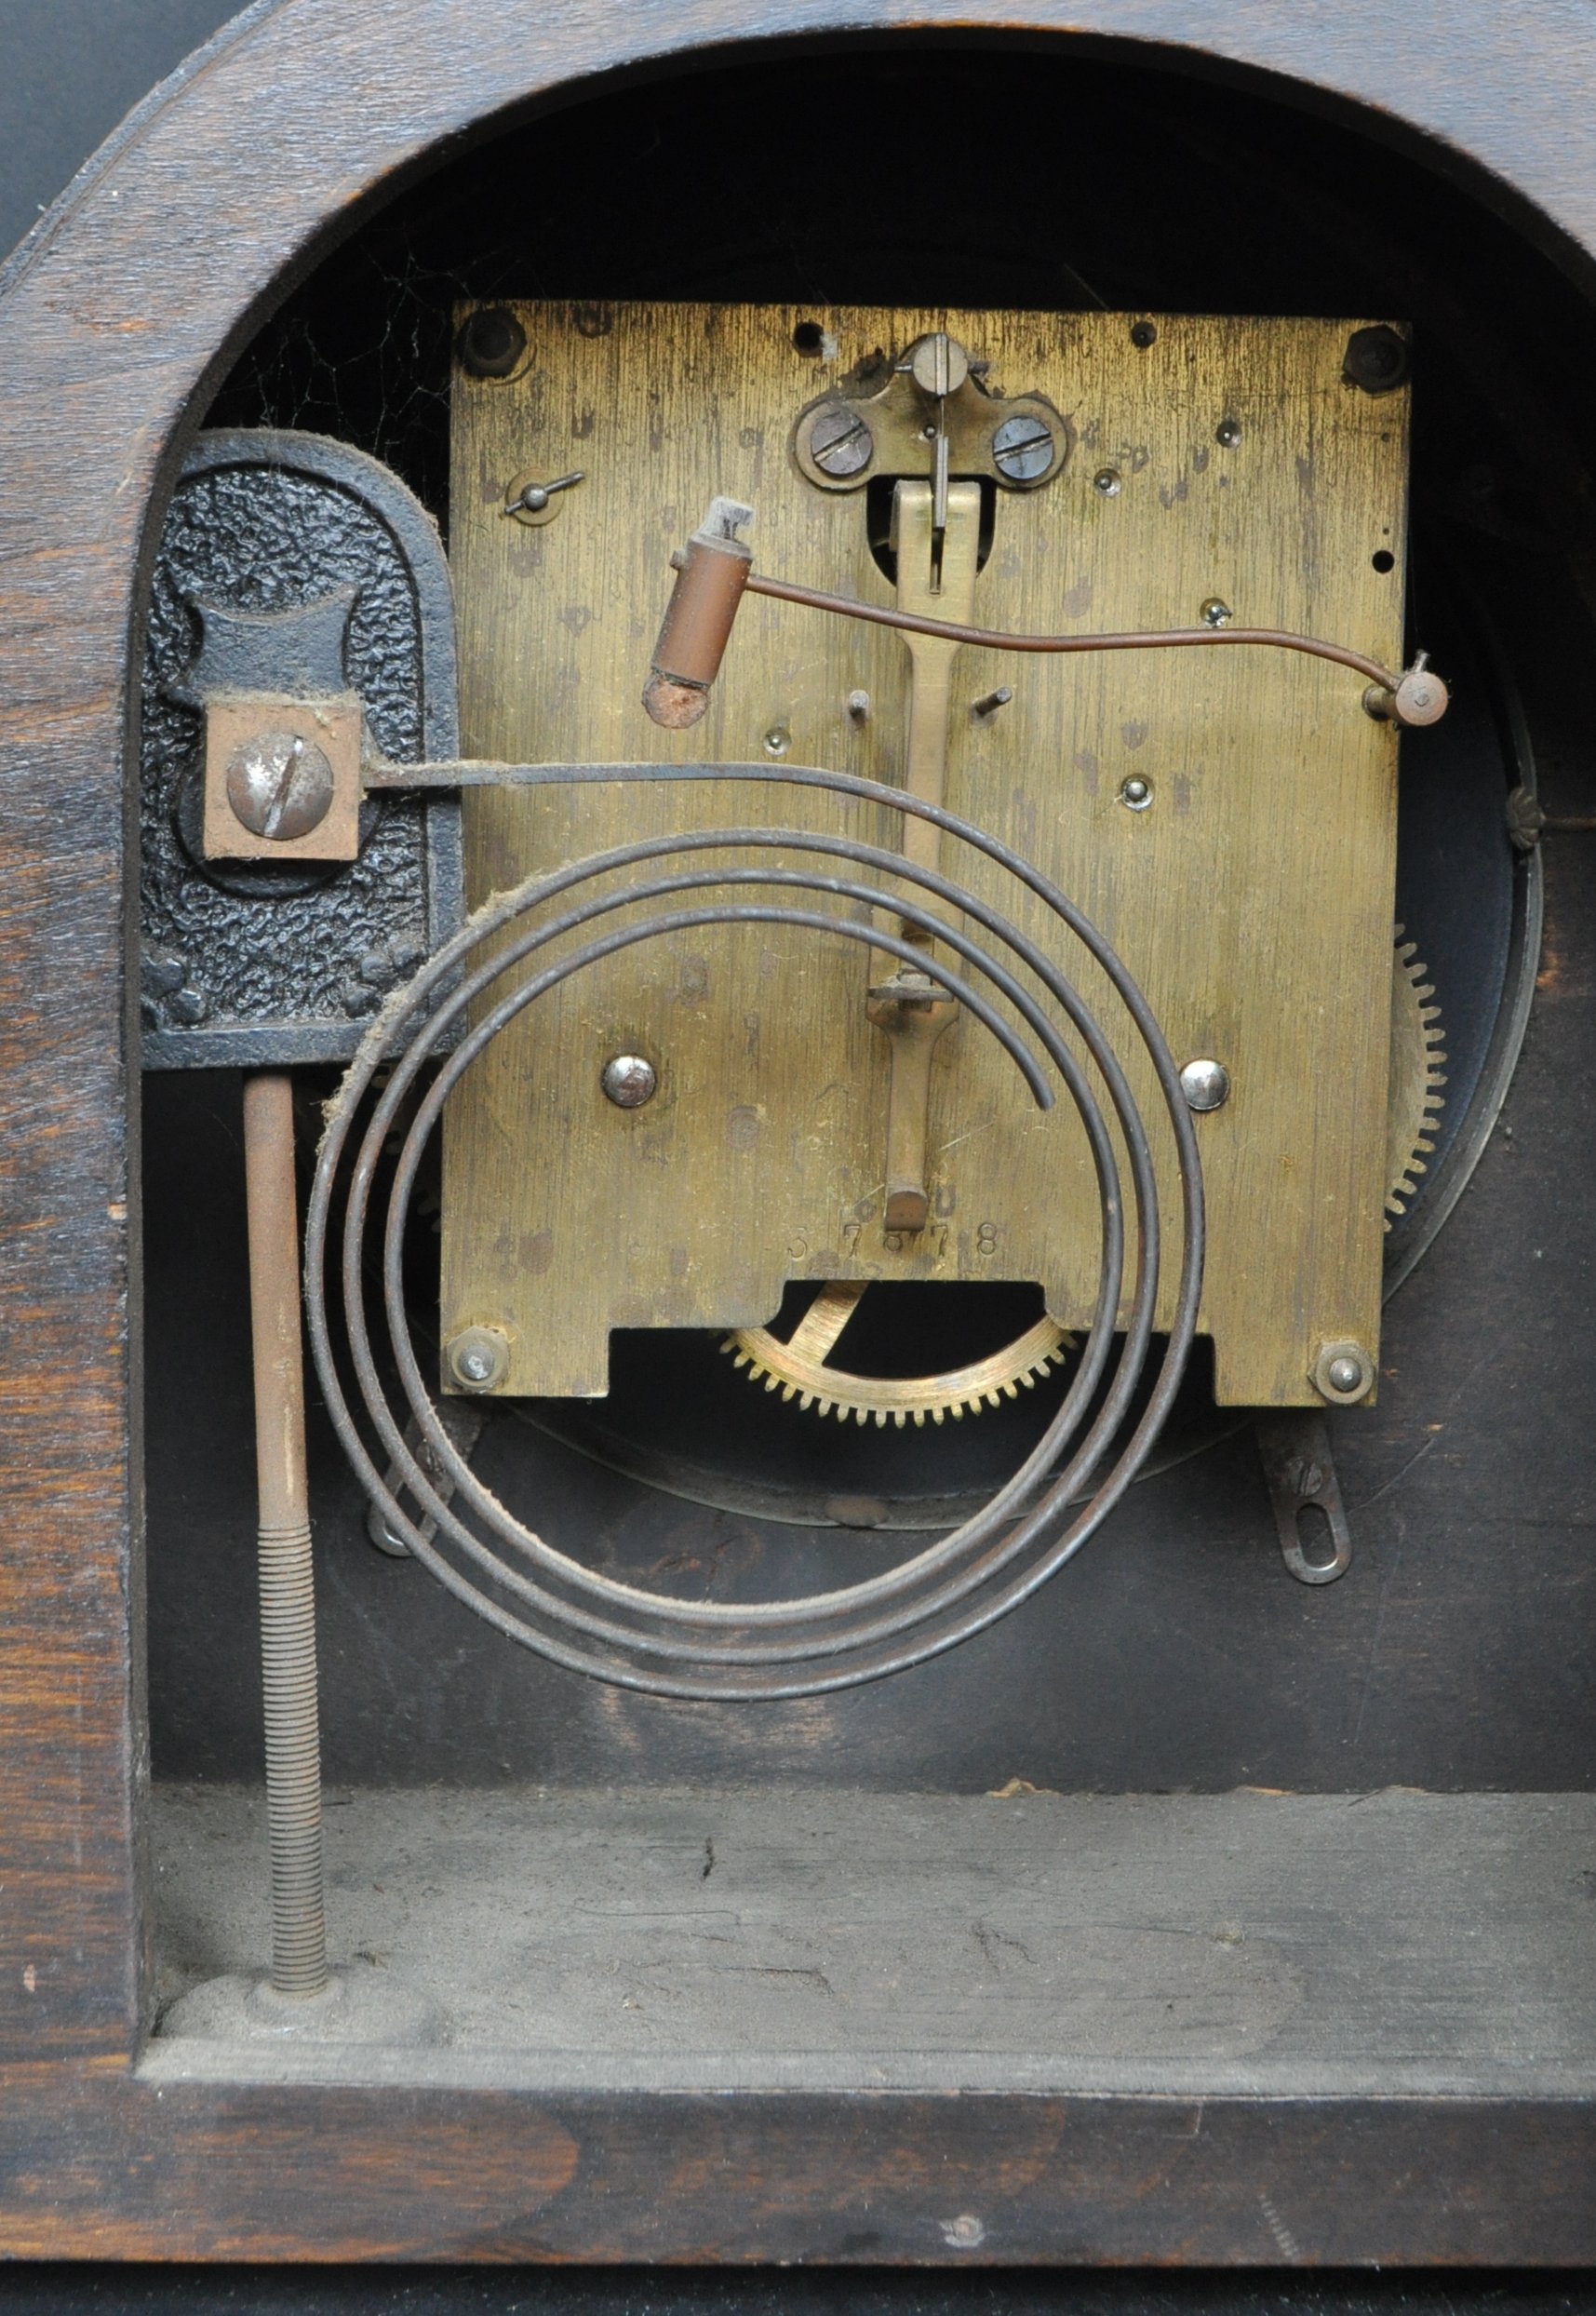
(1001, 640)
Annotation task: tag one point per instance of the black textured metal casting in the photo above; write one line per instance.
(289, 562)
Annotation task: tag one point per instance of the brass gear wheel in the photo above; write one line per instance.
(798, 1369)
(1418, 1054)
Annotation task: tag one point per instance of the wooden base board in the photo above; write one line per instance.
(1249, 1943)
(1303, 1949)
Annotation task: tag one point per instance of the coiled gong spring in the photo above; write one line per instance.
(438, 1026)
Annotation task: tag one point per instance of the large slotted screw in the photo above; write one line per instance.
(281, 786)
(839, 441)
(1022, 448)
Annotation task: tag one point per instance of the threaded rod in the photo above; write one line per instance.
(288, 1598)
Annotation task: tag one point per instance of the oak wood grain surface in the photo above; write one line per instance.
(116, 318)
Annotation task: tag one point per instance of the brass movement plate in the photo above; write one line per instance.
(1228, 460)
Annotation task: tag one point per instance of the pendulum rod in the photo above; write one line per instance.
(288, 1602)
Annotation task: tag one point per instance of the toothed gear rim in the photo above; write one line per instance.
(798, 1367)
(1419, 1056)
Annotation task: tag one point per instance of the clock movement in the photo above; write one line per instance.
(804, 934)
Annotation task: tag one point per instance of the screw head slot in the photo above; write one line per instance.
(1023, 448)
(939, 365)
(839, 441)
(281, 786)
